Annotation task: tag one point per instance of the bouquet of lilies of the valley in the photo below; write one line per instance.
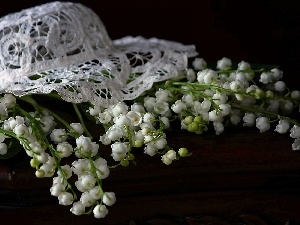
(130, 91)
(201, 98)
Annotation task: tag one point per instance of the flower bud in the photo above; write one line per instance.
(263, 124)
(280, 86)
(224, 63)
(39, 173)
(295, 94)
(171, 154)
(3, 148)
(198, 119)
(138, 143)
(65, 198)
(190, 75)
(77, 127)
(150, 149)
(193, 127)
(183, 152)
(34, 163)
(100, 211)
(282, 127)
(199, 64)
(269, 94)
(58, 135)
(109, 198)
(295, 132)
(166, 160)
(188, 120)
(259, 94)
(124, 162)
(78, 208)
(9, 100)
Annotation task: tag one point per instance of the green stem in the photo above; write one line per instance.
(8, 133)
(255, 110)
(130, 139)
(57, 117)
(62, 172)
(31, 101)
(41, 135)
(34, 123)
(40, 108)
(229, 71)
(81, 120)
(94, 171)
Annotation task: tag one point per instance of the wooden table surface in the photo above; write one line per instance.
(239, 177)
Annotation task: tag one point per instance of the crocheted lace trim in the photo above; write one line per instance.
(64, 47)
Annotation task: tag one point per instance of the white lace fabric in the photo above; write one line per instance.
(64, 47)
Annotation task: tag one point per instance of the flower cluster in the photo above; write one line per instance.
(201, 98)
(137, 126)
(251, 97)
(47, 145)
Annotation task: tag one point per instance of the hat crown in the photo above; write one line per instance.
(64, 47)
(50, 35)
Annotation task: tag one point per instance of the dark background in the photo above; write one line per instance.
(228, 174)
(257, 31)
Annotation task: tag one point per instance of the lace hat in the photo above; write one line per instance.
(64, 47)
